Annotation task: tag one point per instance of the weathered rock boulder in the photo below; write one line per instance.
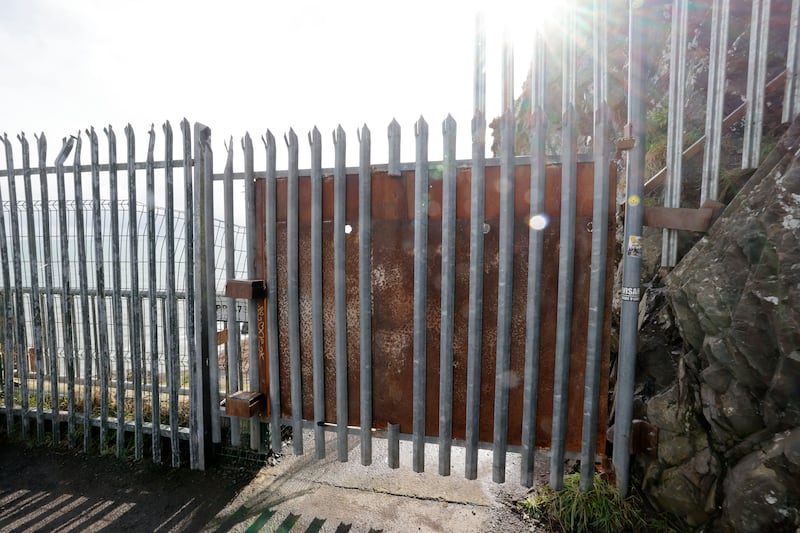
(729, 437)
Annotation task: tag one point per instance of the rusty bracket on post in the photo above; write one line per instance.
(246, 289)
(245, 404)
(683, 218)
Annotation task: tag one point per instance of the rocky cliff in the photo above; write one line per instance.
(729, 443)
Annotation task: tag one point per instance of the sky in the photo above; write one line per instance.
(241, 66)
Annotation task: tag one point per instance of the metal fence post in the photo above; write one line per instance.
(201, 382)
(629, 316)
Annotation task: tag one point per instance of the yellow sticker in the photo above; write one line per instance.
(637, 4)
(633, 200)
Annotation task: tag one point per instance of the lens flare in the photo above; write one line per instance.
(538, 222)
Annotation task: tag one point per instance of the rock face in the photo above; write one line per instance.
(730, 426)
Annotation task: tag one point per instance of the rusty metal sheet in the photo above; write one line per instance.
(392, 280)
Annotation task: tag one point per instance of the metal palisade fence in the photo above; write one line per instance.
(459, 302)
(427, 321)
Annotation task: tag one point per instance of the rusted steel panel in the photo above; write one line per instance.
(392, 279)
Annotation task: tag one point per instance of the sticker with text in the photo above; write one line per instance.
(630, 294)
(635, 246)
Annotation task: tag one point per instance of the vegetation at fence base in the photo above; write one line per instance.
(599, 510)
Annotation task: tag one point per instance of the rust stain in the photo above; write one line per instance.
(392, 303)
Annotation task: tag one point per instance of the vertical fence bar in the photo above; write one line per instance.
(172, 346)
(340, 293)
(677, 82)
(594, 337)
(394, 148)
(791, 97)
(393, 445)
(420, 293)
(230, 273)
(254, 347)
(756, 83)
(505, 268)
(448, 295)
(477, 207)
(273, 354)
(152, 286)
(365, 292)
(204, 329)
(47, 267)
(116, 302)
(293, 290)
(211, 362)
(566, 256)
(21, 337)
(135, 316)
(100, 285)
(536, 225)
(196, 440)
(317, 330)
(8, 323)
(83, 287)
(629, 314)
(38, 345)
(66, 295)
(718, 55)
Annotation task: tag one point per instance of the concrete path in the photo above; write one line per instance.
(305, 495)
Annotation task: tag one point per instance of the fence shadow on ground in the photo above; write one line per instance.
(45, 488)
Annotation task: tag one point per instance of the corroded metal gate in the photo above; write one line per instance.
(390, 306)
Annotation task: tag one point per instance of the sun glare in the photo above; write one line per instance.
(523, 19)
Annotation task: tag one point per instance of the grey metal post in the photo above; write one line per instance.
(340, 293)
(116, 305)
(48, 282)
(210, 293)
(447, 295)
(135, 300)
(38, 345)
(597, 291)
(317, 348)
(394, 148)
(21, 336)
(756, 83)
(365, 293)
(201, 382)
(100, 284)
(66, 297)
(252, 268)
(505, 274)
(566, 256)
(152, 284)
(420, 293)
(717, 57)
(83, 284)
(536, 225)
(791, 97)
(191, 311)
(629, 315)
(393, 445)
(273, 355)
(293, 290)
(8, 323)
(232, 347)
(477, 206)
(172, 363)
(677, 83)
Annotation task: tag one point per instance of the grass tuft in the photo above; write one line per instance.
(598, 510)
